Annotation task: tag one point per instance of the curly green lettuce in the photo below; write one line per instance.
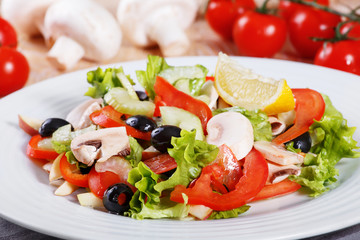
(333, 140)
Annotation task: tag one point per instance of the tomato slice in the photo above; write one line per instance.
(309, 106)
(226, 169)
(161, 163)
(70, 173)
(34, 151)
(277, 189)
(173, 97)
(99, 182)
(108, 117)
(253, 180)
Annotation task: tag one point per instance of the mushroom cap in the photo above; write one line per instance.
(232, 129)
(86, 22)
(100, 145)
(137, 17)
(26, 16)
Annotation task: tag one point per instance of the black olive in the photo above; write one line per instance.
(50, 125)
(303, 142)
(142, 95)
(141, 123)
(111, 198)
(161, 137)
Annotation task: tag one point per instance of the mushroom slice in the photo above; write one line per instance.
(100, 145)
(277, 126)
(278, 154)
(277, 173)
(79, 116)
(232, 129)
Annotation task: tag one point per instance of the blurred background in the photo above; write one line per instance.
(59, 36)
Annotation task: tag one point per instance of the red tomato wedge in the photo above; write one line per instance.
(71, 174)
(161, 163)
(108, 117)
(277, 189)
(173, 97)
(309, 106)
(99, 182)
(34, 151)
(253, 180)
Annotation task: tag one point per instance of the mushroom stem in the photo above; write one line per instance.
(65, 53)
(170, 37)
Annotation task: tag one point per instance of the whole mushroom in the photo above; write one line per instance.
(146, 23)
(27, 17)
(80, 29)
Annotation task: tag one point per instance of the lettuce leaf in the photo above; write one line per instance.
(147, 78)
(333, 140)
(229, 214)
(135, 152)
(258, 119)
(103, 81)
(191, 156)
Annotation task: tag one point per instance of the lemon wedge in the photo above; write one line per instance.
(239, 86)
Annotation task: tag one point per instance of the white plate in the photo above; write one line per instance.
(27, 199)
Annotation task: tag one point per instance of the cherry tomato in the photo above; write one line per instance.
(342, 55)
(353, 29)
(14, 70)
(221, 14)
(259, 35)
(307, 23)
(70, 173)
(287, 8)
(99, 182)
(8, 36)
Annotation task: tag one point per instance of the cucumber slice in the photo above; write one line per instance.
(127, 85)
(120, 99)
(192, 76)
(182, 119)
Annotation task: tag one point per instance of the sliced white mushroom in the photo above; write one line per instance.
(47, 167)
(232, 129)
(27, 17)
(163, 22)
(100, 145)
(79, 116)
(277, 173)
(80, 29)
(278, 154)
(222, 104)
(277, 126)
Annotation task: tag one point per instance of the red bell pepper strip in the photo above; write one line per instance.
(173, 97)
(34, 151)
(309, 106)
(253, 180)
(108, 117)
(71, 174)
(277, 189)
(210, 78)
(161, 163)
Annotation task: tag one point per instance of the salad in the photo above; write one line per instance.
(187, 146)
